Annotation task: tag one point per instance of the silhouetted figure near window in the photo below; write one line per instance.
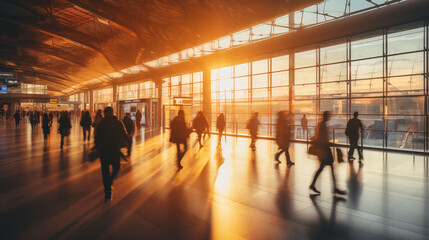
(17, 117)
(139, 119)
(130, 127)
(97, 120)
(352, 131)
(46, 125)
(220, 125)
(51, 116)
(304, 125)
(283, 137)
(200, 123)
(253, 125)
(179, 135)
(64, 126)
(324, 152)
(86, 122)
(109, 138)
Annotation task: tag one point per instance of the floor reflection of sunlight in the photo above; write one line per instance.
(223, 180)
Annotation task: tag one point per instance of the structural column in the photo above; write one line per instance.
(115, 99)
(158, 117)
(207, 97)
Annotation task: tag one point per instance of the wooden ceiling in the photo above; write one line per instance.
(62, 43)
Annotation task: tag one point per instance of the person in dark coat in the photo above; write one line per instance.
(86, 122)
(200, 123)
(253, 125)
(109, 138)
(51, 116)
(17, 117)
(64, 127)
(46, 125)
(220, 125)
(139, 119)
(352, 131)
(324, 153)
(130, 127)
(179, 135)
(283, 137)
(97, 120)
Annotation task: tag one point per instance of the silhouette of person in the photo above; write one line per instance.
(130, 127)
(97, 120)
(325, 154)
(200, 123)
(46, 125)
(17, 117)
(220, 125)
(109, 137)
(283, 137)
(51, 117)
(139, 119)
(352, 132)
(304, 125)
(64, 127)
(253, 125)
(86, 122)
(179, 135)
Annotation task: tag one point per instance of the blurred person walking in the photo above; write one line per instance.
(200, 124)
(130, 127)
(85, 123)
(220, 125)
(304, 125)
(253, 125)
(51, 116)
(179, 135)
(46, 125)
(109, 138)
(97, 119)
(324, 153)
(352, 132)
(64, 126)
(138, 120)
(17, 117)
(283, 131)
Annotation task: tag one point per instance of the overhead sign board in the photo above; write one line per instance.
(133, 101)
(4, 75)
(182, 101)
(53, 101)
(9, 82)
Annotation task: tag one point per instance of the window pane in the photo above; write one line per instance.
(242, 83)
(405, 41)
(367, 88)
(260, 81)
(260, 66)
(405, 106)
(304, 106)
(260, 94)
(280, 93)
(405, 64)
(242, 69)
(305, 91)
(280, 63)
(367, 47)
(307, 75)
(333, 90)
(333, 72)
(335, 53)
(367, 105)
(305, 59)
(280, 78)
(406, 85)
(371, 68)
(335, 106)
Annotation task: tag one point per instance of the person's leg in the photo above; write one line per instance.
(316, 175)
(105, 173)
(89, 132)
(116, 165)
(280, 151)
(352, 148)
(84, 133)
(62, 141)
(179, 156)
(130, 144)
(359, 150)
(289, 162)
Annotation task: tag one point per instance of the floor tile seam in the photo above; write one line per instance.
(390, 226)
(379, 220)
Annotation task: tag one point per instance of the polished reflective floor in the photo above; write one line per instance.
(233, 193)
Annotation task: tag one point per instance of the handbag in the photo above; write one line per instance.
(314, 150)
(340, 155)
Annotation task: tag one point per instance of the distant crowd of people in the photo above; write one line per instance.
(111, 134)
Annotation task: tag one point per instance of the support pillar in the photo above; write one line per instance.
(207, 97)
